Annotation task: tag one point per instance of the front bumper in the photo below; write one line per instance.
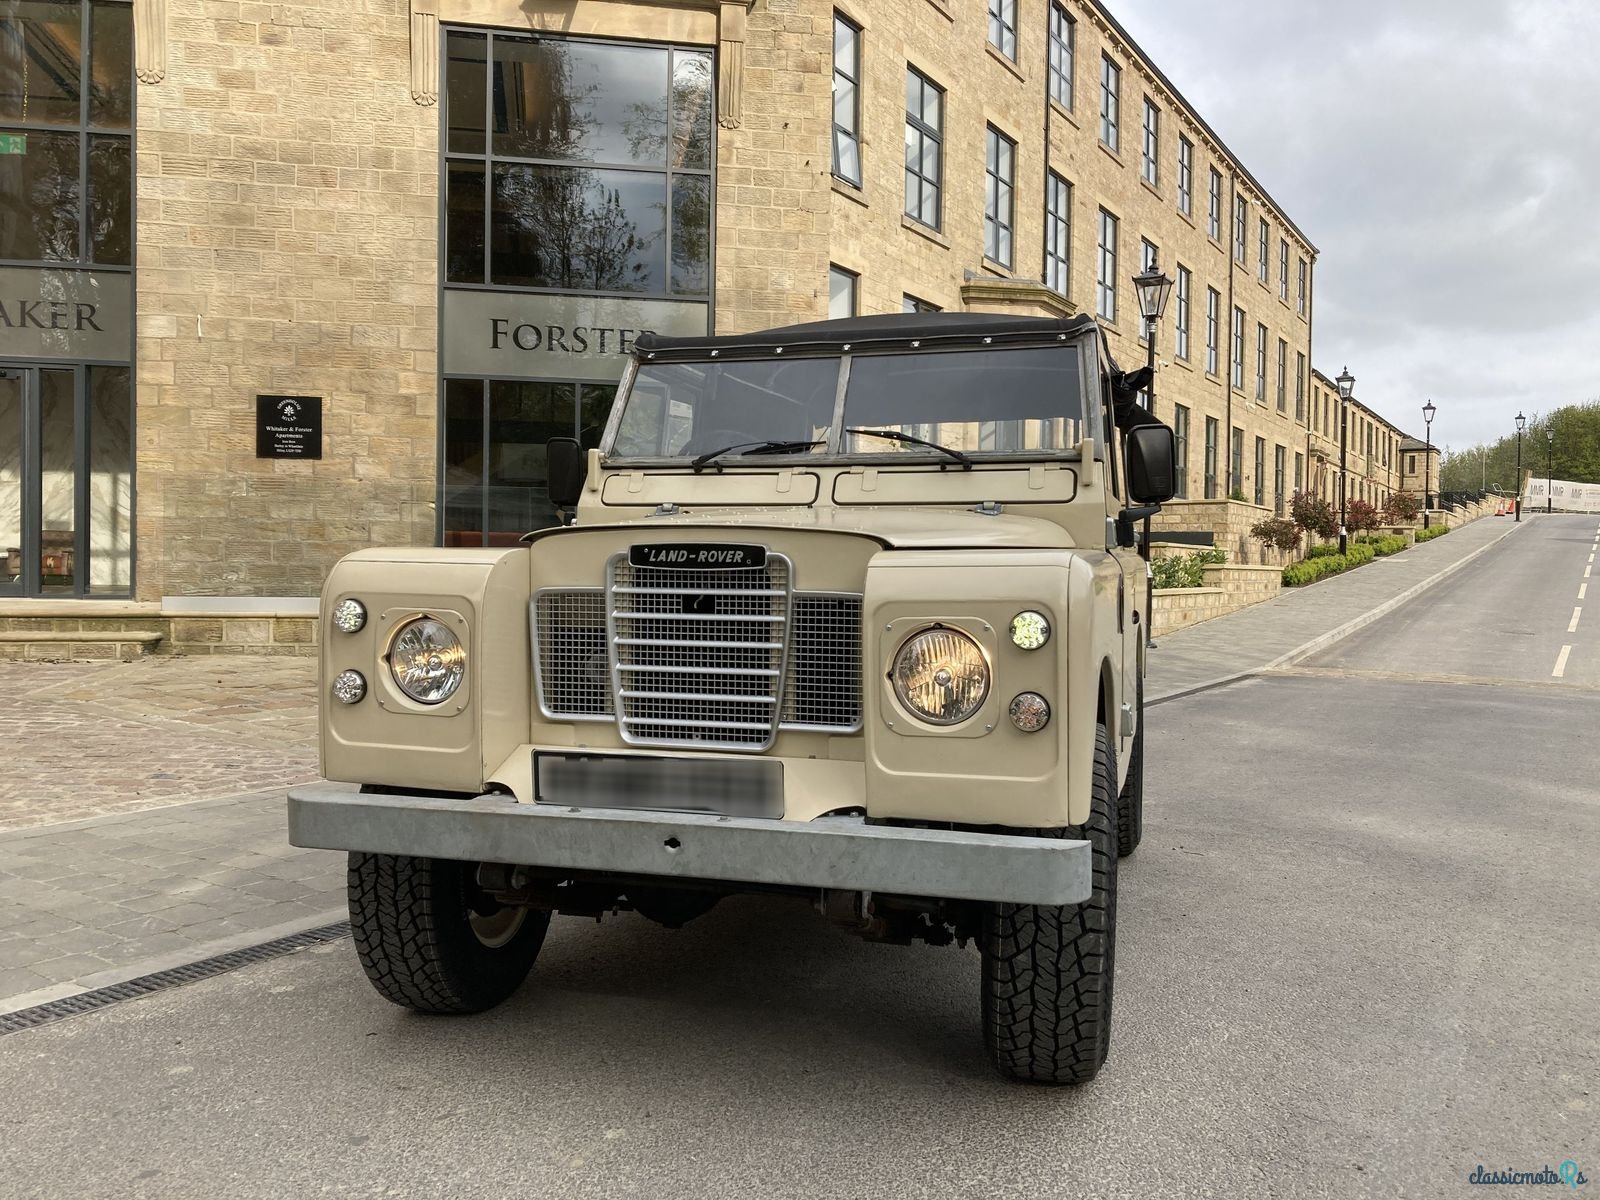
(831, 852)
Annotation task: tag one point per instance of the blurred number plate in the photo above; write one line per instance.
(726, 787)
(698, 556)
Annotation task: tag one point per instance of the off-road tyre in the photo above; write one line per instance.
(1130, 801)
(1047, 970)
(411, 919)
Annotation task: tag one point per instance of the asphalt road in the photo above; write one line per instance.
(1356, 958)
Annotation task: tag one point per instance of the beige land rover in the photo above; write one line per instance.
(849, 611)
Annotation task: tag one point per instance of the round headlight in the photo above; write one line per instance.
(349, 615)
(941, 675)
(1030, 630)
(1030, 712)
(349, 687)
(427, 660)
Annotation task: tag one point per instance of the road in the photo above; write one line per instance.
(1356, 958)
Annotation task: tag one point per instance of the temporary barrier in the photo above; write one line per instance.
(1563, 494)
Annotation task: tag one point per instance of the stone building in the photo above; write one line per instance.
(1372, 448)
(282, 280)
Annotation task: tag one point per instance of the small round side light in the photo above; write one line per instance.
(349, 615)
(1030, 630)
(1030, 712)
(349, 687)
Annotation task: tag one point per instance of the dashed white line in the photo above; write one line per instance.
(1583, 589)
(1572, 625)
(1586, 571)
(1561, 662)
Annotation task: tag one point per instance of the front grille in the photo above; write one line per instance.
(708, 659)
(699, 654)
(824, 683)
(569, 639)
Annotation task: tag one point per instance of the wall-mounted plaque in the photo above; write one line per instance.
(288, 426)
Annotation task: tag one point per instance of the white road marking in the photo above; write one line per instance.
(1582, 590)
(1572, 625)
(1591, 556)
(1586, 571)
(1561, 662)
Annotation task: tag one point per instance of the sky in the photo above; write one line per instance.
(1444, 158)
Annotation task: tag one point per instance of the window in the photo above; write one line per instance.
(1299, 391)
(1412, 469)
(1152, 143)
(615, 197)
(1283, 376)
(1236, 464)
(912, 304)
(841, 293)
(1185, 176)
(1003, 27)
(1211, 459)
(1181, 332)
(1299, 472)
(1300, 290)
(1057, 233)
(1241, 226)
(1180, 436)
(1063, 51)
(1263, 258)
(846, 100)
(1283, 270)
(1213, 310)
(1238, 348)
(924, 148)
(1261, 364)
(1261, 471)
(1106, 271)
(998, 206)
(1214, 205)
(66, 191)
(1279, 457)
(1110, 102)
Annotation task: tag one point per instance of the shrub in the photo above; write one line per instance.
(1401, 508)
(1236, 494)
(1185, 570)
(1276, 531)
(1311, 569)
(1361, 516)
(1359, 552)
(1314, 515)
(1323, 549)
(1389, 543)
(1427, 535)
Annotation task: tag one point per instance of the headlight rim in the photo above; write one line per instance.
(397, 631)
(904, 700)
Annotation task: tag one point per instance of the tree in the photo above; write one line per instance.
(1401, 508)
(1278, 532)
(1575, 453)
(1314, 515)
(1362, 517)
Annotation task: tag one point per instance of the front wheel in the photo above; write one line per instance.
(431, 940)
(1047, 970)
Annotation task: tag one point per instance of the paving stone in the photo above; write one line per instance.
(14, 981)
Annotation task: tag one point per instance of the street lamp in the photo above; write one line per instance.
(1522, 422)
(1428, 410)
(1152, 288)
(1549, 472)
(1347, 387)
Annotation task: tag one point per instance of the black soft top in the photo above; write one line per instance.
(877, 332)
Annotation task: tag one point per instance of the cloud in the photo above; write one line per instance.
(1444, 156)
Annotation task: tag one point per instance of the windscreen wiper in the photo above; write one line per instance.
(911, 439)
(771, 446)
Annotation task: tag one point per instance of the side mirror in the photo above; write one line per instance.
(1152, 457)
(564, 460)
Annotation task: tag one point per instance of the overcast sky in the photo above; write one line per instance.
(1443, 156)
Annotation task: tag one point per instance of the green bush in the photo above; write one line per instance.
(1311, 569)
(1358, 553)
(1382, 544)
(1323, 550)
(1427, 535)
(1185, 570)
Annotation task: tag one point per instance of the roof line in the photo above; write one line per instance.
(1199, 120)
(1362, 406)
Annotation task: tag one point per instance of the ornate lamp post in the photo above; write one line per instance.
(1347, 387)
(1428, 410)
(1152, 288)
(1522, 422)
(1549, 472)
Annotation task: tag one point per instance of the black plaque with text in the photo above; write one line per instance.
(288, 426)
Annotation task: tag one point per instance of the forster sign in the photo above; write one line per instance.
(516, 335)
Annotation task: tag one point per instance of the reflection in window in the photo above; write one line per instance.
(51, 95)
(596, 158)
(110, 480)
(841, 293)
(924, 148)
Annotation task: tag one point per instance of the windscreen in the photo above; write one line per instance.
(968, 400)
(687, 409)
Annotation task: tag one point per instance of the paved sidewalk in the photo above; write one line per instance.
(91, 902)
(1251, 638)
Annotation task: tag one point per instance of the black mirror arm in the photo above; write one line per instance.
(1125, 525)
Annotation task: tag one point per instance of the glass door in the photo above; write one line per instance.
(42, 534)
(13, 392)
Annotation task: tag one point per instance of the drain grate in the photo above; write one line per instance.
(159, 981)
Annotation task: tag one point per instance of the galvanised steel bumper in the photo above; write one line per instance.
(831, 852)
